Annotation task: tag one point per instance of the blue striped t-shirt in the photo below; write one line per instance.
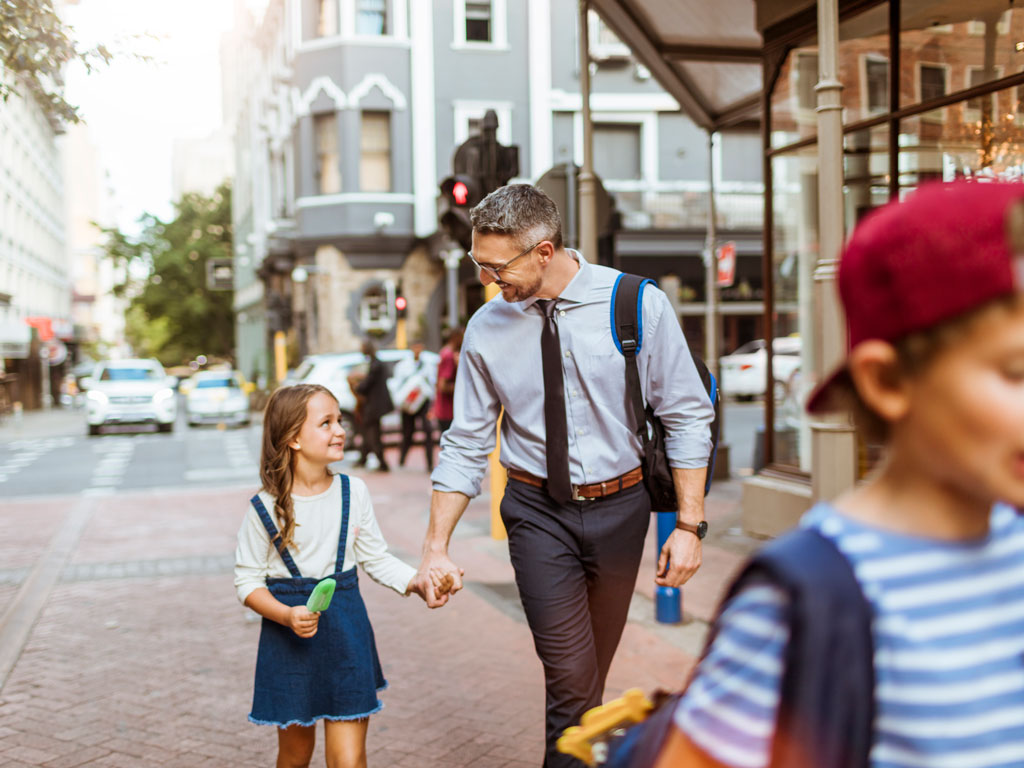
(949, 651)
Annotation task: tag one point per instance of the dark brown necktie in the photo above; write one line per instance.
(555, 425)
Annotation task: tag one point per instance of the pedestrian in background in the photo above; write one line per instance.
(889, 629)
(575, 507)
(415, 384)
(313, 666)
(374, 401)
(447, 368)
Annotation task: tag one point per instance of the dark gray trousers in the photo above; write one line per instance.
(575, 566)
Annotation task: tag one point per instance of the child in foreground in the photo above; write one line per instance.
(304, 525)
(920, 661)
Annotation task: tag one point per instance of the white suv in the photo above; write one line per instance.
(130, 392)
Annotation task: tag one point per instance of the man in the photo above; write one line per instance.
(415, 385)
(374, 401)
(575, 507)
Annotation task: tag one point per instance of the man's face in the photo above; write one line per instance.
(417, 350)
(518, 281)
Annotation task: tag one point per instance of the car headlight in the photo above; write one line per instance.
(163, 394)
(96, 396)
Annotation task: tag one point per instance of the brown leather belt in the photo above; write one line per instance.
(584, 492)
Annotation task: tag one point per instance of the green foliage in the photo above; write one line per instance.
(172, 315)
(35, 46)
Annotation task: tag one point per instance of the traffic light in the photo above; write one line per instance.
(400, 306)
(459, 194)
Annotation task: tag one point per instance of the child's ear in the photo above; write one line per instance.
(874, 369)
(294, 445)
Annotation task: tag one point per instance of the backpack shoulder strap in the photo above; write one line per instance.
(628, 333)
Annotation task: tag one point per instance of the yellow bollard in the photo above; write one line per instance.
(499, 475)
(401, 339)
(280, 356)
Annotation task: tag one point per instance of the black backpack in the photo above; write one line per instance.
(627, 331)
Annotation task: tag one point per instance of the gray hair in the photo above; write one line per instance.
(520, 210)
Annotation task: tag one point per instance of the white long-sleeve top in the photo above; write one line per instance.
(315, 549)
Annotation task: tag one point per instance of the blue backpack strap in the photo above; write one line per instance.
(345, 506)
(275, 537)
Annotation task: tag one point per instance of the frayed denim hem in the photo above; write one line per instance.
(313, 721)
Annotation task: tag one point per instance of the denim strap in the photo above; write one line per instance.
(272, 530)
(344, 522)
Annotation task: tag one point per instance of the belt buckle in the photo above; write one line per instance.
(576, 494)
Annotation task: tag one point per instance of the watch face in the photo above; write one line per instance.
(702, 529)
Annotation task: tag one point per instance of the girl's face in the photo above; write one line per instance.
(321, 440)
(965, 419)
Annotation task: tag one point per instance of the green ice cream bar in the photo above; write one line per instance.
(320, 599)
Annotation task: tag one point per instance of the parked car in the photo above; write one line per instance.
(135, 391)
(217, 396)
(743, 372)
(333, 369)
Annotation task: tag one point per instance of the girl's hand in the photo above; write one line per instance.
(442, 581)
(302, 622)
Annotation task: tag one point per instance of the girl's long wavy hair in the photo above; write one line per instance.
(282, 421)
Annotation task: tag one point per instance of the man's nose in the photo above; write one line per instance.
(486, 278)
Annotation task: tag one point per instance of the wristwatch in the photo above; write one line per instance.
(700, 530)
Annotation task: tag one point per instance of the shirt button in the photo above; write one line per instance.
(579, 431)
(568, 353)
(561, 313)
(575, 393)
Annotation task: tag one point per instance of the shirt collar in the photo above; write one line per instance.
(577, 288)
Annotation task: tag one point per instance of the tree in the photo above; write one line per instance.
(172, 314)
(35, 46)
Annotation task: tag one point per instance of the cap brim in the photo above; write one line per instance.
(823, 397)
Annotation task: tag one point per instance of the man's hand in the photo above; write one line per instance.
(302, 622)
(682, 551)
(439, 578)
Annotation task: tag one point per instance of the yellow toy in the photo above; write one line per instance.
(586, 741)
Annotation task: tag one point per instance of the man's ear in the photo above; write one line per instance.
(546, 250)
(874, 369)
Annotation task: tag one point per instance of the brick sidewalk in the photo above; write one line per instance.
(141, 654)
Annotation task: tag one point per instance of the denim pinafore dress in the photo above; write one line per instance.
(335, 674)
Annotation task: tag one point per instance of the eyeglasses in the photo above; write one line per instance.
(494, 271)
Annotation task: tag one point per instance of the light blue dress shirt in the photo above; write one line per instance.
(500, 365)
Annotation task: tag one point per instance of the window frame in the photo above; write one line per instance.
(388, 152)
(499, 28)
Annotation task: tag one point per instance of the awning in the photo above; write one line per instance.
(15, 340)
(707, 55)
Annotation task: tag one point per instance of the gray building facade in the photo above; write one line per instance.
(348, 114)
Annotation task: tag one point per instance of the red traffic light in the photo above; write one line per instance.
(460, 192)
(400, 303)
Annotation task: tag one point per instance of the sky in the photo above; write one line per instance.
(136, 109)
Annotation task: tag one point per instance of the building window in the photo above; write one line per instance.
(478, 21)
(327, 18)
(806, 79)
(976, 76)
(877, 76)
(933, 82)
(372, 17)
(375, 152)
(328, 162)
(617, 151)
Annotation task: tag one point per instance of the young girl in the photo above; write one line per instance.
(304, 525)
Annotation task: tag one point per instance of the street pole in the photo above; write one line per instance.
(833, 442)
(499, 475)
(711, 269)
(587, 181)
(451, 264)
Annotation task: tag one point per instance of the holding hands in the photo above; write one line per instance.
(437, 580)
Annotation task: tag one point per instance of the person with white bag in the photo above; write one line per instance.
(412, 396)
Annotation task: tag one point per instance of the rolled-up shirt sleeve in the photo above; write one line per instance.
(471, 437)
(673, 387)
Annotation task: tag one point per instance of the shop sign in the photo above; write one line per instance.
(727, 264)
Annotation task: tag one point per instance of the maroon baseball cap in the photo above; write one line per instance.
(944, 250)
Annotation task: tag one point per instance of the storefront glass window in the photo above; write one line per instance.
(948, 48)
